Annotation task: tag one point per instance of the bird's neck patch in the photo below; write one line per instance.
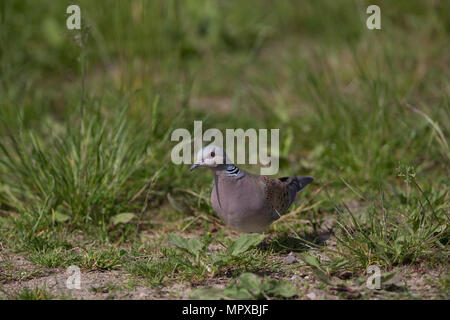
(232, 171)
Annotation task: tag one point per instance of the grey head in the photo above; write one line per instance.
(216, 159)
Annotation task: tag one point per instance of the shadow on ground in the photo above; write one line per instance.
(285, 243)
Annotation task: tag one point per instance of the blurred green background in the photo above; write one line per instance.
(86, 116)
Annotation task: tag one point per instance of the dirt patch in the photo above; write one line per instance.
(94, 285)
(408, 282)
(16, 268)
(17, 274)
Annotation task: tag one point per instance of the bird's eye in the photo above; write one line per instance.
(213, 154)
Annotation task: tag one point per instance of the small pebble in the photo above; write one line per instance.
(290, 259)
(311, 296)
(295, 278)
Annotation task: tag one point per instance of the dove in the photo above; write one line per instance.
(247, 202)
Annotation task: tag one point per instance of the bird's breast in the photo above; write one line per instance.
(240, 203)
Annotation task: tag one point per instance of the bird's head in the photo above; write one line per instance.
(210, 157)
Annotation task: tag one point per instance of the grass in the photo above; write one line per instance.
(387, 236)
(86, 118)
(191, 259)
(31, 294)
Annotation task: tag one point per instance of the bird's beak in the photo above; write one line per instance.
(195, 165)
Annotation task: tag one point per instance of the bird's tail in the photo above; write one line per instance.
(301, 182)
(296, 184)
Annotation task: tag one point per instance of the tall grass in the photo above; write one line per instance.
(85, 170)
(392, 231)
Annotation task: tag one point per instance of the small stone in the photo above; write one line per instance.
(51, 282)
(290, 259)
(295, 278)
(311, 296)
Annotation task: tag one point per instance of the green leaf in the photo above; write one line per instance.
(122, 218)
(237, 292)
(60, 217)
(312, 261)
(251, 282)
(193, 246)
(207, 294)
(178, 241)
(282, 288)
(247, 286)
(244, 243)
